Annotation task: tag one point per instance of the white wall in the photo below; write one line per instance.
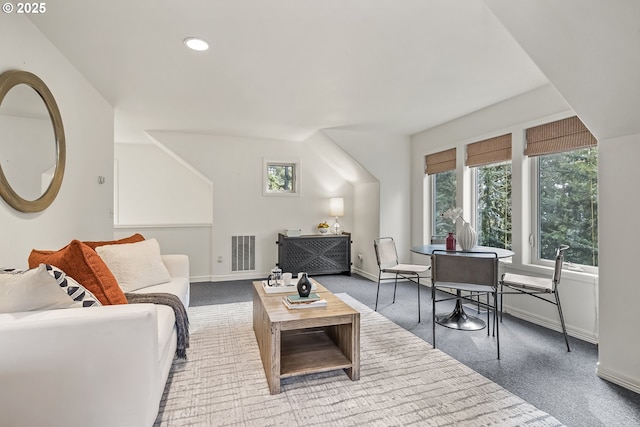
(618, 175)
(384, 209)
(366, 226)
(234, 167)
(157, 195)
(83, 207)
(152, 188)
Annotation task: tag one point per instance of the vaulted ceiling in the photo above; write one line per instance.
(285, 68)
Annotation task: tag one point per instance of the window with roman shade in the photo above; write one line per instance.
(489, 151)
(564, 156)
(442, 161)
(559, 136)
(441, 169)
(491, 163)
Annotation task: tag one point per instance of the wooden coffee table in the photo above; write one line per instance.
(298, 342)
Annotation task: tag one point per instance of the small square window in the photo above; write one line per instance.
(280, 178)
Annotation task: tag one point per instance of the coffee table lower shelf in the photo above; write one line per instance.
(310, 350)
(299, 342)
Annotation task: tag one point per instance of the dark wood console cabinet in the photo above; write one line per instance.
(315, 254)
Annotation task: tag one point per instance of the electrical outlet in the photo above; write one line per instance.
(220, 258)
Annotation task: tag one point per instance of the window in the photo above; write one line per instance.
(490, 161)
(444, 197)
(493, 205)
(280, 178)
(567, 208)
(565, 168)
(441, 169)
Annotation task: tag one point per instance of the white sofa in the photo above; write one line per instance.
(89, 367)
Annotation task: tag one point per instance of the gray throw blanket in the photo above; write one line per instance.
(182, 320)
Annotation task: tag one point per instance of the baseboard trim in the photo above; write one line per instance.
(199, 279)
(617, 378)
(550, 324)
(365, 274)
(228, 277)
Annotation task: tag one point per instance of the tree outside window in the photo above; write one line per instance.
(493, 205)
(444, 197)
(280, 178)
(568, 205)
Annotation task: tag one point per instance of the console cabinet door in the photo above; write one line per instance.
(322, 254)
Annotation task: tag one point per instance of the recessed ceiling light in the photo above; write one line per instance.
(196, 43)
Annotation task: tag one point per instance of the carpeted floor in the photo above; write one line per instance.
(535, 364)
(403, 382)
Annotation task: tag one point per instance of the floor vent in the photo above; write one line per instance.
(243, 253)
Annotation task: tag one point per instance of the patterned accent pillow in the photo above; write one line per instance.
(75, 290)
(40, 288)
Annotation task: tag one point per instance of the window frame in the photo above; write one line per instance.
(295, 190)
(475, 212)
(432, 203)
(534, 232)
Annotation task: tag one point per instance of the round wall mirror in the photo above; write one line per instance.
(32, 143)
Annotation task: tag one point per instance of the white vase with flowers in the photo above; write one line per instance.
(467, 236)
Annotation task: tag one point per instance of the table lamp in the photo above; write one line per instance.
(336, 208)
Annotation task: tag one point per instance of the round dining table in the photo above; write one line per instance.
(428, 250)
(458, 318)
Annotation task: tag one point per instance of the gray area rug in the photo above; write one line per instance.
(404, 381)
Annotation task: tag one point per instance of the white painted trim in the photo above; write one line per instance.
(245, 275)
(365, 274)
(617, 378)
(551, 324)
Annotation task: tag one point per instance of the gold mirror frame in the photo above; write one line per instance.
(8, 80)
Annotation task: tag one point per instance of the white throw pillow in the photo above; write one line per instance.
(135, 265)
(42, 288)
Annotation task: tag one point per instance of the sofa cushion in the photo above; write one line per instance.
(131, 239)
(42, 288)
(135, 265)
(83, 264)
(178, 286)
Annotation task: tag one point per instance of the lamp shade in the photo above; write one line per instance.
(336, 206)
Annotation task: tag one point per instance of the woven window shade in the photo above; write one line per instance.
(563, 135)
(443, 161)
(492, 150)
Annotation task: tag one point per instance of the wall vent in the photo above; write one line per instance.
(243, 253)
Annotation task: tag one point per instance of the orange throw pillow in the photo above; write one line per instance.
(131, 239)
(84, 265)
